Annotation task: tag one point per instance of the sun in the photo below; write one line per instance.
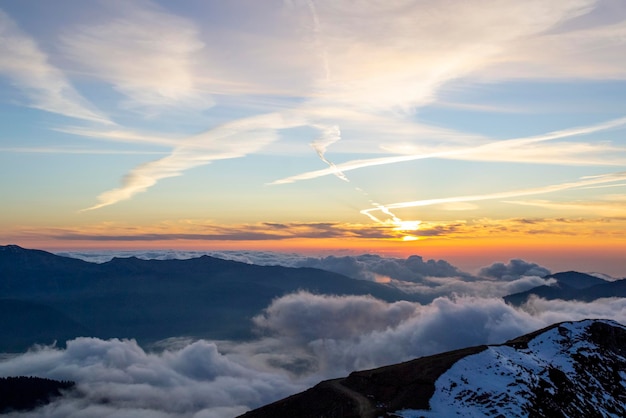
(408, 225)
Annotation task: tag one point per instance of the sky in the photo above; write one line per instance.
(472, 131)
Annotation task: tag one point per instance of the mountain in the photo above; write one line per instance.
(565, 370)
(572, 285)
(24, 323)
(23, 393)
(148, 300)
(576, 280)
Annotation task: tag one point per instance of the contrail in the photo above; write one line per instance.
(316, 31)
(330, 135)
(357, 164)
(605, 178)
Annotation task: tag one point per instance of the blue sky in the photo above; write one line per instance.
(412, 126)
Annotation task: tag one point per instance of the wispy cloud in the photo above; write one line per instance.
(231, 140)
(356, 72)
(360, 51)
(201, 230)
(608, 209)
(605, 224)
(587, 181)
(145, 53)
(511, 150)
(586, 50)
(50, 150)
(45, 86)
(330, 135)
(121, 135)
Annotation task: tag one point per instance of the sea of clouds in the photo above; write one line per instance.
(302, 338)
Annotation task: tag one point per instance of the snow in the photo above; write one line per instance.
(500, 379)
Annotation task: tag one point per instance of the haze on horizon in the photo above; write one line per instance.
(473, 131)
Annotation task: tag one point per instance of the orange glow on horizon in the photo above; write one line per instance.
(466, 253)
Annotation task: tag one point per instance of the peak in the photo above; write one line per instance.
(576, 279)
(534, 375)
(11, 247)
(569, 273)
(125, 260)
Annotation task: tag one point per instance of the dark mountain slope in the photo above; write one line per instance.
(155, 299)
(23, 393)
(576, 280)
(563, 291)
(567, 369)
(22, 322)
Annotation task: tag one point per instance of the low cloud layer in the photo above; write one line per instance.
(303, 338)
(427, 278)
(513, 270)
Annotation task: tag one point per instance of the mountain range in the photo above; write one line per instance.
(569, 369)
(46, 297)
(572, 285)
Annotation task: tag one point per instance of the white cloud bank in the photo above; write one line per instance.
(303, 338)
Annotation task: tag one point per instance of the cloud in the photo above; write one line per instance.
(198, 230)
(209, 231)
(525, 150)
(231, 140)
(424, 279)
(585, 181)
(330, 135)
(119, 378)
(582, 50)
(145, 53)
(308, 317)
(513, 270)
(613, 208)
(121, 135)
(303, 338)
(373, 267)
(45, 86)
(361, 50)
(60, 150)
(363, 64)
(356, 164)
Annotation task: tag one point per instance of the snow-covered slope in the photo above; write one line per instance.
(572, 370)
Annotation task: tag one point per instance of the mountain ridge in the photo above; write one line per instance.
(571, 285)
(565, 369)
(150, 300)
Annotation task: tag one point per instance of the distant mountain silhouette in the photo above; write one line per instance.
(148, 299)
(567, 369)
(572, 285)
(576, 280)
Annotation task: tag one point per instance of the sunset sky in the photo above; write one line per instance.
(472, 131)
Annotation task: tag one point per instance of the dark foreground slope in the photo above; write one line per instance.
(45, 297)
(23, 393)
(568, 369)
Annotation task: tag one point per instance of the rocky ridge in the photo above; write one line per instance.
(568, 369)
